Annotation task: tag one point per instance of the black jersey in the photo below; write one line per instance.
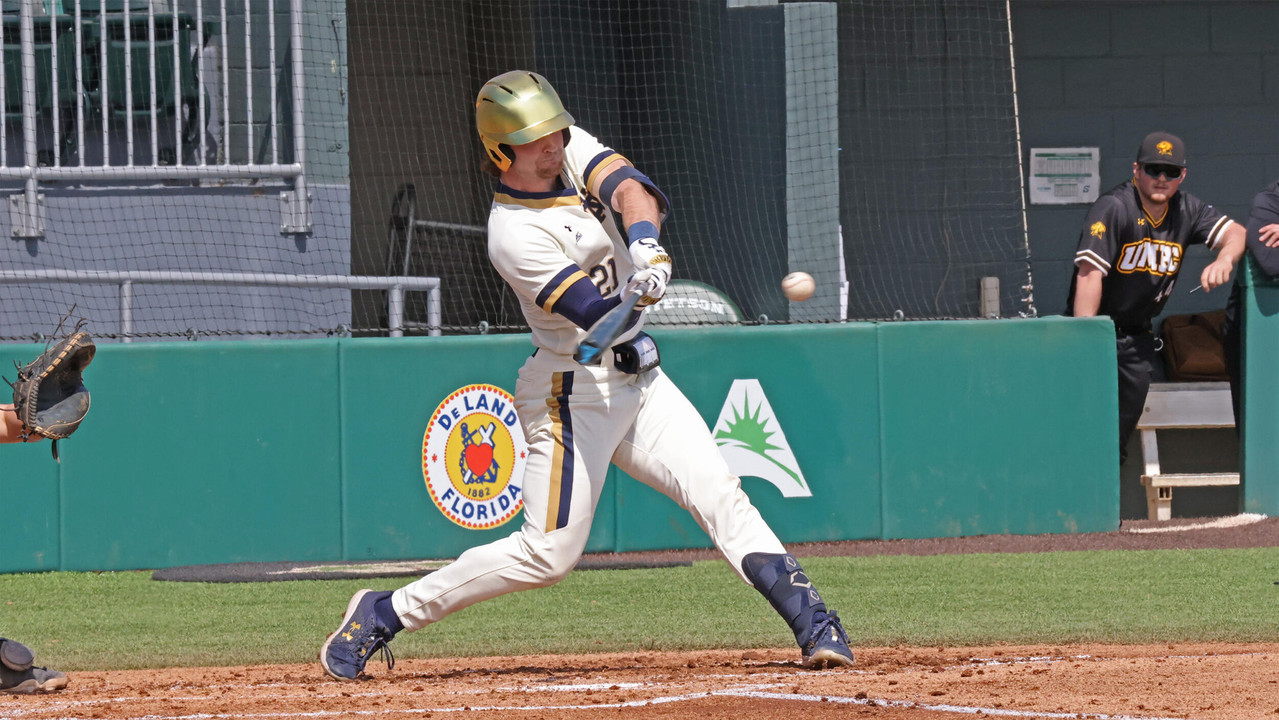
(1140, 255)
(1265, 211)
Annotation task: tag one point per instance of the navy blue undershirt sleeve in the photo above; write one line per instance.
(582, 303)
(572, 294)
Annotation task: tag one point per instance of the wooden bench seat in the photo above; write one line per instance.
(1180, 406)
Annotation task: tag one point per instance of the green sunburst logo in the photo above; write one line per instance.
(752, 441)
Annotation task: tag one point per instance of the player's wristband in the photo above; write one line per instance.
(641, 229)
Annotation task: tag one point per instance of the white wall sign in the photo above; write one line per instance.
(1062, 176)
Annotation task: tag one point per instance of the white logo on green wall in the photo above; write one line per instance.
(753, 443)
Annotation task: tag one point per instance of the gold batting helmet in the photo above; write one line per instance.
(515, 108)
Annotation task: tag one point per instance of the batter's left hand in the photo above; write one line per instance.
(646, 253)
(1216, 274)
(652, 269)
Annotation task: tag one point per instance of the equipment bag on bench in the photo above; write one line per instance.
(1193, 350)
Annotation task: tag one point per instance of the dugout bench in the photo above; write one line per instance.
(1182, 405)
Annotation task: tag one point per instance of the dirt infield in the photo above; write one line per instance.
(1104, 682)
(1206, 682)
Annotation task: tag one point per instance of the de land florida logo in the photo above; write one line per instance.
(473, 456)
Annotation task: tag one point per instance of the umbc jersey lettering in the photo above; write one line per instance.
(1157, 257)
(1139, 255)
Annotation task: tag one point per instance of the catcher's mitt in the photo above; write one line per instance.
(49, 395)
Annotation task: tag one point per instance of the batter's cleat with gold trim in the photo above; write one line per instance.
(345, 652)
(30, 681)
(827, 644)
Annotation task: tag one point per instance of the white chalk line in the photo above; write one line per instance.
(1230, 521)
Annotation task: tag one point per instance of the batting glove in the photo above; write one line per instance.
(649, 284)
(652, 266)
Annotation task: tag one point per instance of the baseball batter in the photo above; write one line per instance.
(1130, 252)
(554, 237)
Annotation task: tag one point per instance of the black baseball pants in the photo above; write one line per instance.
(1136, 352)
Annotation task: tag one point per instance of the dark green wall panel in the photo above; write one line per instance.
(391, 389)
(999, 427)
(310, 450)
(29, 488)
(204, 453)
(1260, 450)
(821, 384)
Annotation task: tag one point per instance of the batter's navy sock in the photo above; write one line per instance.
(386, 615)
(781, 580)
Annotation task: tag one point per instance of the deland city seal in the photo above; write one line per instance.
(473, 456)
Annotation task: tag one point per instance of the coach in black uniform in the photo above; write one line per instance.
(1263, 244)
(1130, 250)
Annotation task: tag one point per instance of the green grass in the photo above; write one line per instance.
(84, 621)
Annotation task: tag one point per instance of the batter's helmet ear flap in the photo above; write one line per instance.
(502, 156)
(515, 108)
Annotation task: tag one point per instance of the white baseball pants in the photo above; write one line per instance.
(577, 420)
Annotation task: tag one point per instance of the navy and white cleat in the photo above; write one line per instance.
(827, 644)
(345, 652)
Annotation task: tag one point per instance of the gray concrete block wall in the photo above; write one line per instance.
(1133, 25)
(233, 229)
(1103, 74)
(1239, 26)
(1110, 82)
(1058, 29)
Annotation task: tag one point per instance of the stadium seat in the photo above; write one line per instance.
(13, 66)
(138, 46)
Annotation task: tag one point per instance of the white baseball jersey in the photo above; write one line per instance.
(580, 419)
(541, 243)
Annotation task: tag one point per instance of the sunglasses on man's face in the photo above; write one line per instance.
(1172, 172)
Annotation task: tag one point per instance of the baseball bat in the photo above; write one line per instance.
(605, 331)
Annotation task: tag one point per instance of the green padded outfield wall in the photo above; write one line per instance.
(391, 389)
(982, 436)
(822, 384)
(1260, 446)
(217, 452)
(191, 453)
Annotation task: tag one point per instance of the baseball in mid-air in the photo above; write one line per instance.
(798, 286)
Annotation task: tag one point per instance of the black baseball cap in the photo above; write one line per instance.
(1161, 148)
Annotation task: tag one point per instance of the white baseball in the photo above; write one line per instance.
(798, 286)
